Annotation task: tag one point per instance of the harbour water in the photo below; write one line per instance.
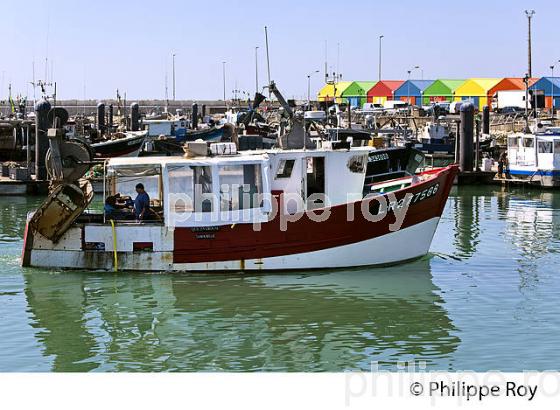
(486, 298)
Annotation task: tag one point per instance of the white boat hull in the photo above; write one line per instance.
(384, 250)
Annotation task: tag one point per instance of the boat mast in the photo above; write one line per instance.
(267, 57)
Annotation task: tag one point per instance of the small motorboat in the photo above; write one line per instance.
(122, 144)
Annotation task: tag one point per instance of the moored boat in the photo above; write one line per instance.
(127, 144)
(535, 158)
(173, 145)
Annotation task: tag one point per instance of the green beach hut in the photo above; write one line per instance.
(356, 93)
(441, 90)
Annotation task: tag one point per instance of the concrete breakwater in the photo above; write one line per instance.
(87, 107)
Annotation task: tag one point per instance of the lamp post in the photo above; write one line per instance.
(379, 72)
(256, 70)
(526, 81)
(408, 83)
(224, 78)
(529, 14)
(552, 75)
(309, 87)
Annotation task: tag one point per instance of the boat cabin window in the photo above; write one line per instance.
(528, 142)
(545, 147)
(285, 168)
(190, 188)
(315, 175)
(123, 180)
(557, 146)
(512, 142)
(240, 186)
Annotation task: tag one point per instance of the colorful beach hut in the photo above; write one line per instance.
(476, 90)
(356, 93)
(550, 88)
(508, 84)
(441, 90)
(382, 91)
(412, 91)
(333, 91)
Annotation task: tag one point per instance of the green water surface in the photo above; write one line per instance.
(486, 298)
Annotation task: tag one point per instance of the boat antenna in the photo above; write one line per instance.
(33, 83)
(267, 56)
(47, 47)
(326, 70)
(84, 92)
(166, 91)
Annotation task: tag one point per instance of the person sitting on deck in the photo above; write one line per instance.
(142, 204)
(116, 209)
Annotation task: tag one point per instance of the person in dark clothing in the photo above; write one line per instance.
(502, 164)
(142, 204)
(114, 208)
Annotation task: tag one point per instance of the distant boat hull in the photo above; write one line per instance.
(128, 146)
(541, 177)
(173, 145)
(213, 134)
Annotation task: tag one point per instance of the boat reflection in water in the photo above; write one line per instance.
(466, 210)
(533, 227)
(342, 320)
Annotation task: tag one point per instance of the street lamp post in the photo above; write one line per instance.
(408, 83)
(552, 74)
(309, 87)
(526, 81)
(529, 14)
(379, 71)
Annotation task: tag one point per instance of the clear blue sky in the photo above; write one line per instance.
(128, 44)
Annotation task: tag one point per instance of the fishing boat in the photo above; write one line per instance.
(173, 145)
(534, 158)
(124, 144)
(258, 210)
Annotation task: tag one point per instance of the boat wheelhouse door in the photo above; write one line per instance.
(314, 182)
(527, 154)
(513, 149)
(545, 153)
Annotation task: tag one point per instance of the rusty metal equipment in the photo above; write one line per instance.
(61, 208)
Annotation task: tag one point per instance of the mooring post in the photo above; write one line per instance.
(466, 137)
(42, 109)
(101, 118)
(194, 119)
(477, 146)
(457, 131)
(486, 120)
(134, 117)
